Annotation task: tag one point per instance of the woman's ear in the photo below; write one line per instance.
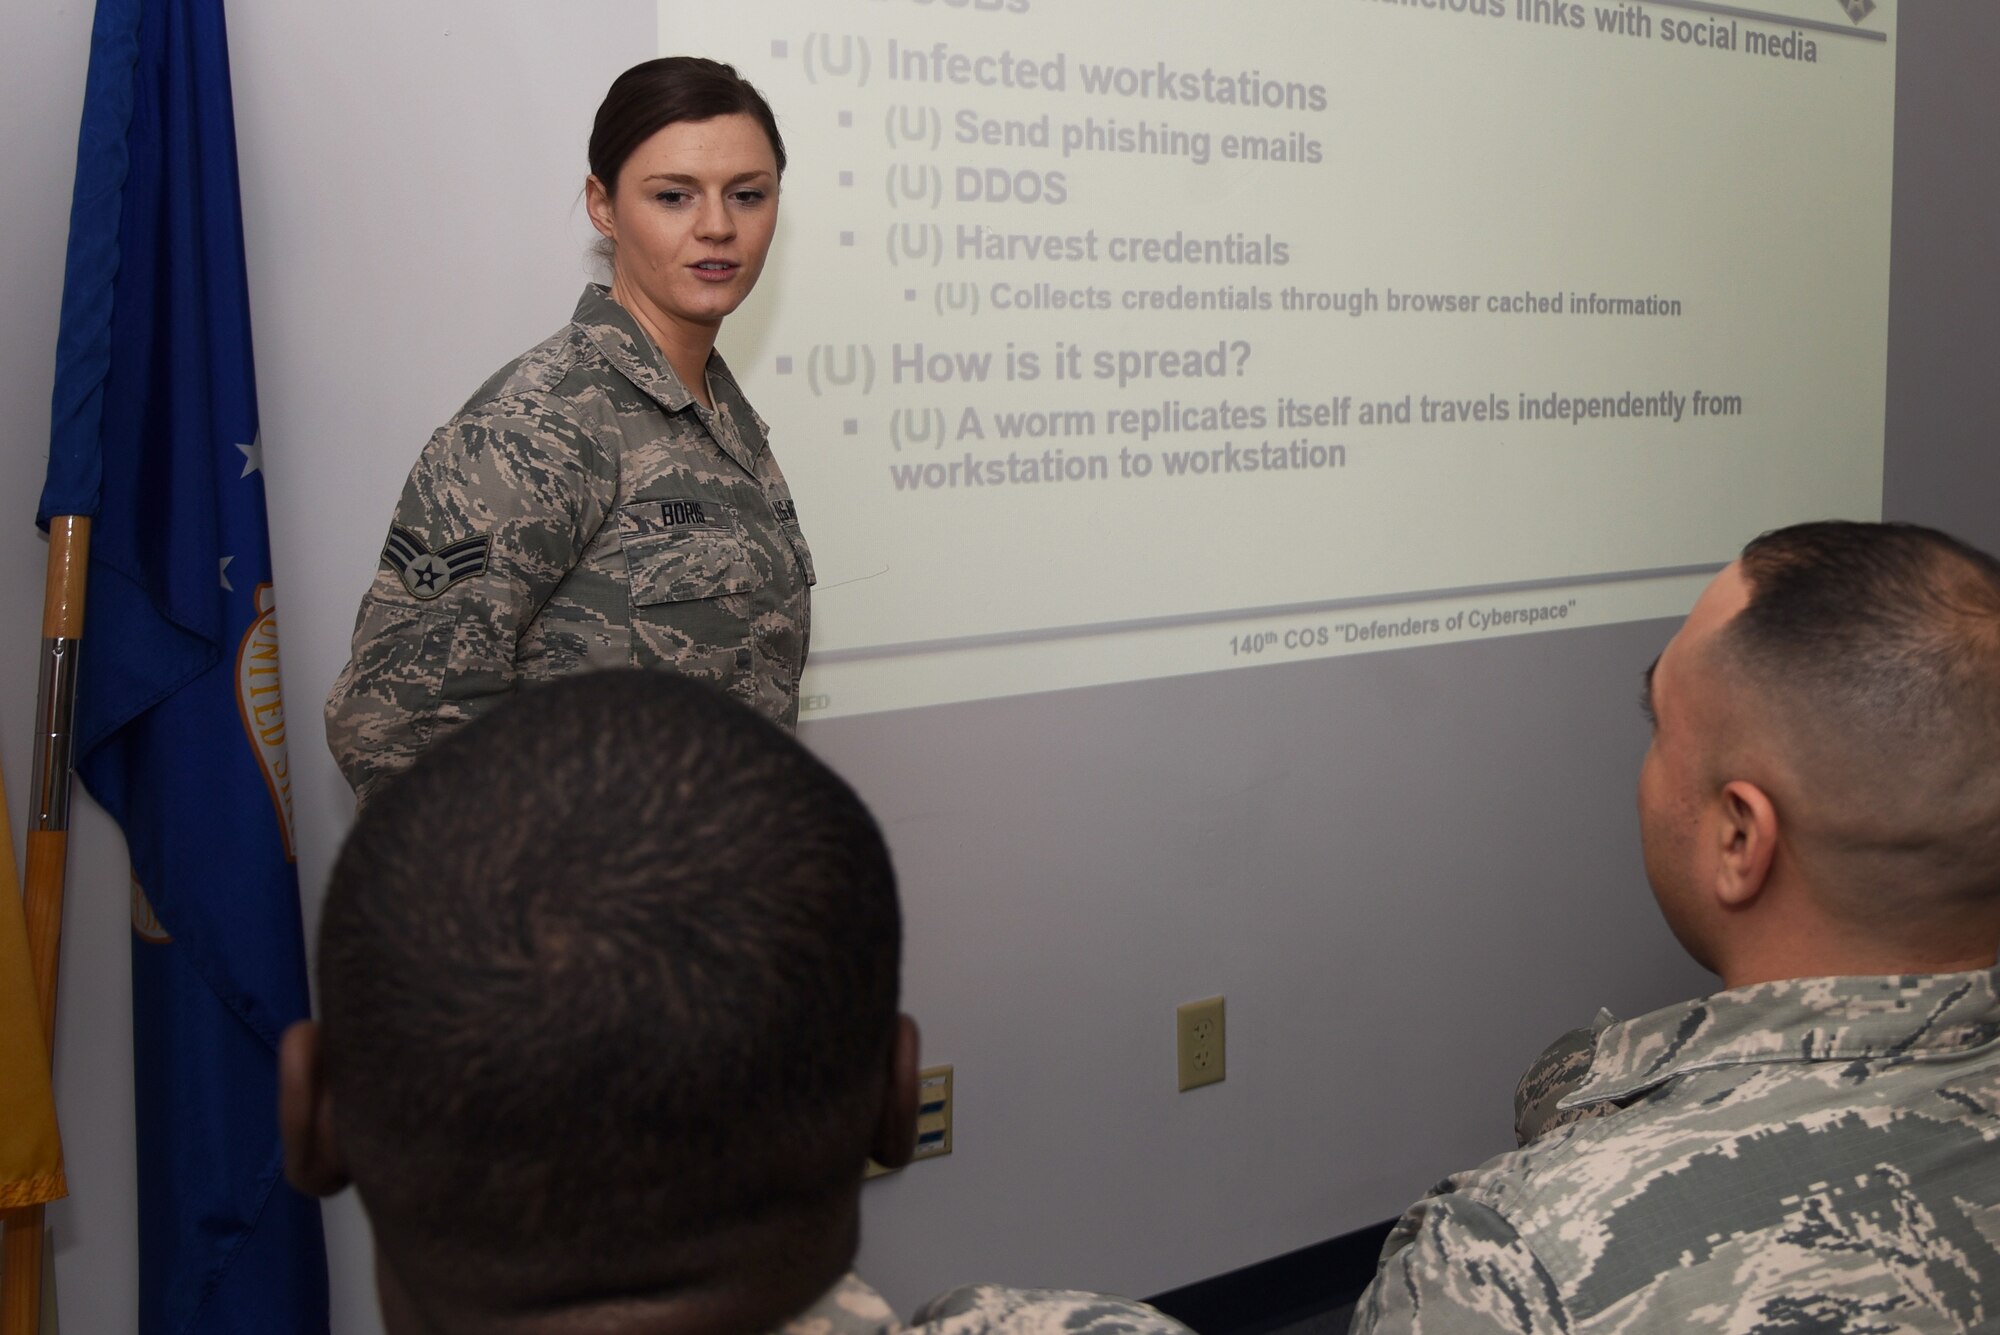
(597, 202)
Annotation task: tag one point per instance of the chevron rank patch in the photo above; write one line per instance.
(426, 573)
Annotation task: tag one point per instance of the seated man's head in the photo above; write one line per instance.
(1822, 793)
(608, 992)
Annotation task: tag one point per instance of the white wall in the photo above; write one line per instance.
(1401, 869)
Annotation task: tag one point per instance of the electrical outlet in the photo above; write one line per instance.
(1199, 1042)
(933, 1113)
(933, 1119)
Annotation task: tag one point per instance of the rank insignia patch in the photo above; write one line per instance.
(426, 573)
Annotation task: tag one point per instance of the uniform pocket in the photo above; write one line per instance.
(385, 702)
(399, 654)
(686, 561)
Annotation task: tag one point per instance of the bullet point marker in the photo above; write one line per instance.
(779, 50)
(847, 238)
(784, 366)
(850, 427)
(909, 294)
(847, 178)
(846, 119)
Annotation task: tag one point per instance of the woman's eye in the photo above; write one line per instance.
(748, 196)
(672, 198)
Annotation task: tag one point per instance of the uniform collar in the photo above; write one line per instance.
(850, 1307)
(1897, 1017)
(611, 328)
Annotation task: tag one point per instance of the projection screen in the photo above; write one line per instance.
(1123, 340)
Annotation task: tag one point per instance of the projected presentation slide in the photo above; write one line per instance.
(1110, 339)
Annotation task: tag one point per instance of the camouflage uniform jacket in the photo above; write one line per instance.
(1815, 1155)
(851, 1307)
(581, 511)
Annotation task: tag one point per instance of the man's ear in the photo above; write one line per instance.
(1748, 835)
(305, 1114)
(896, 1129)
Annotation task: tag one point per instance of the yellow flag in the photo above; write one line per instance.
(31, 1168)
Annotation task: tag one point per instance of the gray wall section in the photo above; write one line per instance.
(1944, 280)
(1405, 871)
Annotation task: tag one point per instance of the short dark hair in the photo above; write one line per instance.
(1880, 645)
(614, 968)
(657, 93)
(1893, 617)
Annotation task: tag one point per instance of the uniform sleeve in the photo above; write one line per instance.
(497, 510)
(989, 1309)
(1453, 1266)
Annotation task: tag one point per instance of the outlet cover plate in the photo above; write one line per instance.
(1200, 1046)
(933, 1120)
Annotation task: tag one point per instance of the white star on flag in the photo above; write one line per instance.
(253, 456)
(223, 571)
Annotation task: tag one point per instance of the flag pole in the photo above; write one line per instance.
(47, 855)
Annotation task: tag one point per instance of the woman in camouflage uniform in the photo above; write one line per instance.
(607, 499)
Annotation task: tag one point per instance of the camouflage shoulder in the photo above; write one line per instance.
(542, 369)
(850, 1307)
(1461, 1269)
(1553, 1076)
(989, 1309)
(516, 442)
